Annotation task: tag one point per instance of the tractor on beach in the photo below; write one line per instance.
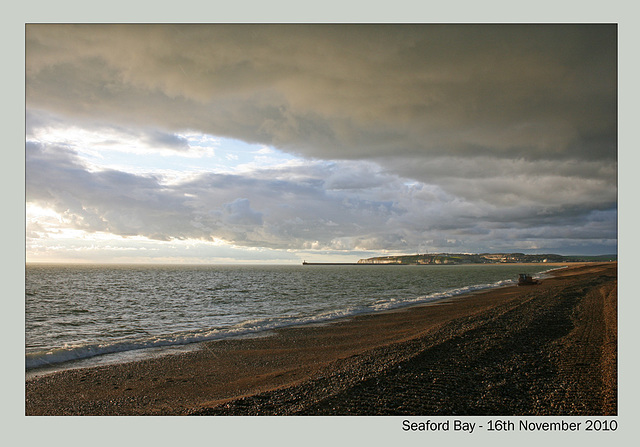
(527, 280)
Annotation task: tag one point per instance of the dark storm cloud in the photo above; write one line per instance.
(344, 91)
(509, 132)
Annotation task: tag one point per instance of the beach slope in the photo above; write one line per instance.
(548, 349)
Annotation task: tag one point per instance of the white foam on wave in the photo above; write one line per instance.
(80, 352)
(436, 296)
(248, 327)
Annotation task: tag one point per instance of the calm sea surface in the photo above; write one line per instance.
(113, 312)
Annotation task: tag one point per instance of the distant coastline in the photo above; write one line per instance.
(467, 258)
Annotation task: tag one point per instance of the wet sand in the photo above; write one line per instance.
(549, 349)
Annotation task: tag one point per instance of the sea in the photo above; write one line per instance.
(87, 315)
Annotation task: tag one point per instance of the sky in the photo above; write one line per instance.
(245, 143)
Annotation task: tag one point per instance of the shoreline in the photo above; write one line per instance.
(122, 355)
(301, 369)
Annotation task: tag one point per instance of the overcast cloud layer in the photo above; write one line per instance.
(433, 137)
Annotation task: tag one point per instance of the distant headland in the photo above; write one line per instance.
(467, 258)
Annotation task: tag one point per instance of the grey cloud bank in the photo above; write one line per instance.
(478, 137)
(343, 91)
